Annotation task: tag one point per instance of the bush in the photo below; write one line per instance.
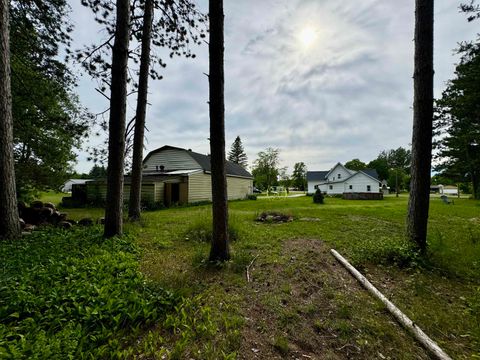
(252, 197)
(318, 197)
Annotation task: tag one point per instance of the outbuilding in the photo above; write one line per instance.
(174, 175)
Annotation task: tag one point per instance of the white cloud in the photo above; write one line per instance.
(347, 95)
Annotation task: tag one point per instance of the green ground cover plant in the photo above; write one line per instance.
(299, 301)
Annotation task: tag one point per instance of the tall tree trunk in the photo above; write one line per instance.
(219, 250)
(137, 157)
(9, 221)
(116, 138)
(417, 217)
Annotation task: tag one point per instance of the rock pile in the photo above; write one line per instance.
(45, 213)
(274, 217)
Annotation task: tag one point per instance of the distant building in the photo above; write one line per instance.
(67, 186)
(340, 180)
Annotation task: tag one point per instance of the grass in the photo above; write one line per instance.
(300, 300)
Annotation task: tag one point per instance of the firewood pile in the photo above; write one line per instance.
(40, 214)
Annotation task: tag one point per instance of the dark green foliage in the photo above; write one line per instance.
(98, 172)
(318, 197)
(237, 153)
(299, 176)
(265, 170)
(73, 295)
(48, 120)
(252, 197)
(355, 164)
(458, 122)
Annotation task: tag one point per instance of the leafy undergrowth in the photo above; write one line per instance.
(73, 295)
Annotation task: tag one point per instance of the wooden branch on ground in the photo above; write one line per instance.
(428, 343)
(247, 268)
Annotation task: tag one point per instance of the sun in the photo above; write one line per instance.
(307, 36)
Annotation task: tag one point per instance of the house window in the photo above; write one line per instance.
(350, 187)
(339, 176)
(368, 188)
(331, 187)
(315, 187)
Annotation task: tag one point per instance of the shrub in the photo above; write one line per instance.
(318, 197)
(252, 197)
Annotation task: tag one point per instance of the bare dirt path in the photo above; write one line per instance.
(306, 306)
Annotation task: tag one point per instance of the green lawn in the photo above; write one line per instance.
(300, 301)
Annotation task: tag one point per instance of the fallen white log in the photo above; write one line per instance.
(247, 268)
(428, 343)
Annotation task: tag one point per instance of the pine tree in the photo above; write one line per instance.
(219, 250)
(418, 204)
(9, 221)
(237, 154)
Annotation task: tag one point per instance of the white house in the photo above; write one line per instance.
(339, 180)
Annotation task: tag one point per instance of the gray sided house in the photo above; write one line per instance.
(175, 175)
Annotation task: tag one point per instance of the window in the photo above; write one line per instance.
(350, 187)
(331, 187)
(339, 176)
(368, 188)
(315, 187)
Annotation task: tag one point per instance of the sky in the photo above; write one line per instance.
(324, 81)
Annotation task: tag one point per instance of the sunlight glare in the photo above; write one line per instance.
(307, 36)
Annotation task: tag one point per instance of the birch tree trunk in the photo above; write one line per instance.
(219, 248)
(137, 157)
(418, 204)
(9, 221)
(116, 138)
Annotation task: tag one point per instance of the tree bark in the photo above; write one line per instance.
(134, 207)
(9, 220)
(116, 139)
(417, 217)
(219, 248)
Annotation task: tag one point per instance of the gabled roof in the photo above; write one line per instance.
(204, 161)
(316, 175)
(371, 172)
(366, 174)
(343, 166)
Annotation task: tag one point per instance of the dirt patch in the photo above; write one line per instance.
(306, 306)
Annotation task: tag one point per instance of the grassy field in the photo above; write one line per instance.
(300, 302)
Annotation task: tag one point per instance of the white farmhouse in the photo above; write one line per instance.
(339, 180)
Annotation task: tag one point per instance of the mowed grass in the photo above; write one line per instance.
(440, 293)
(300, 300)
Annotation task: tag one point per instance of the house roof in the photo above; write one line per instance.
(204, 162)
(316, 175)
(371, 172)
(323, 175)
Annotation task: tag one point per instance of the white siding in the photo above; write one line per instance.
(360, 183)
(338, 170)
(171, 159)
(336, 188)
(311, 186)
